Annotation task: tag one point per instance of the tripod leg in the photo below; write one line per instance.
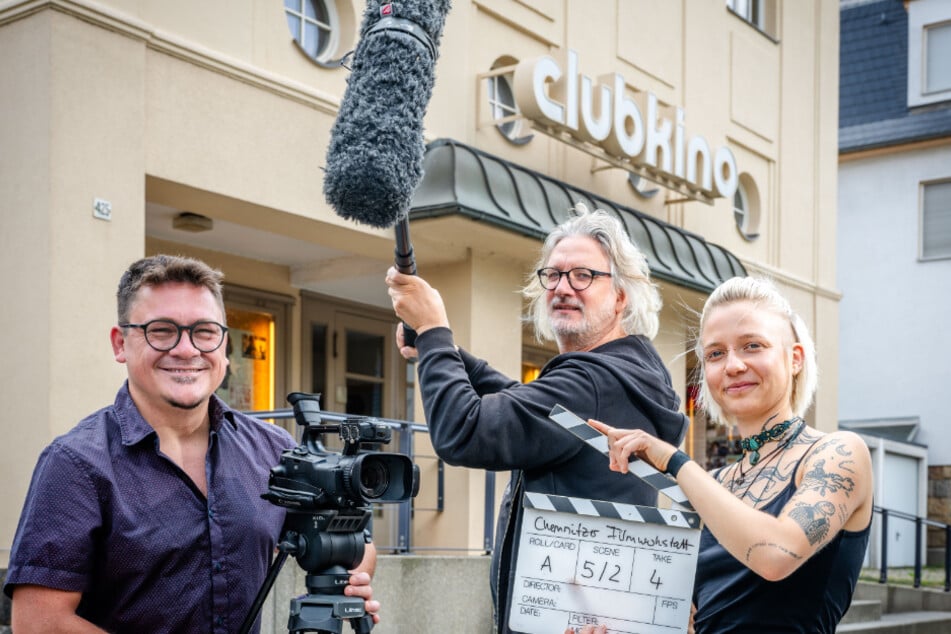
(363, 624)
(272, 573)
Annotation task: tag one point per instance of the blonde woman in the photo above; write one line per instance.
(786, 527)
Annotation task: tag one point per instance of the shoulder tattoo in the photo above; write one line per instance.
(824, 482)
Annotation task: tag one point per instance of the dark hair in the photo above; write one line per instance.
(163, 269)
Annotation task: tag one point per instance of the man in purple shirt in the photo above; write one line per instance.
(147, 516)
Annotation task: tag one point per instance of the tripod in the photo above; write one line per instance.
(325, 556)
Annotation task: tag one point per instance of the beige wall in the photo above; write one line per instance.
(209, 107)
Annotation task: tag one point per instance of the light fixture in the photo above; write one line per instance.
(195, 223)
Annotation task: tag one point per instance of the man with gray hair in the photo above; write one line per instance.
(592, 295)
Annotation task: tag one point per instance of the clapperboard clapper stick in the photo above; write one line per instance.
(582, 561)
(661, 482)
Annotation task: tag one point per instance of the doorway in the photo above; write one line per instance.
(350, 358)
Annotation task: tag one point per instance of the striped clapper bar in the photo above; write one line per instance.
(580, 561)
(610, 510)
(661, 482)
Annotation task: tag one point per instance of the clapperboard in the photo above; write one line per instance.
(586, 561)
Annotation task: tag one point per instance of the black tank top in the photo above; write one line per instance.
(732, 598)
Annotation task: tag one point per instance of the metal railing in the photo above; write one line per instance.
(404, 444)
(405, 510)
(919, 522)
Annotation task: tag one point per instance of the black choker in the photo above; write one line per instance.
(754, 443)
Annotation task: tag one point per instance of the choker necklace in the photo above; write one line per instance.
(739, 476)
(755, 442)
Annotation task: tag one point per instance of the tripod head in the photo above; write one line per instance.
(327, 496)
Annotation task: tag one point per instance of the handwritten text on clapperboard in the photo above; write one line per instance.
(633, 572)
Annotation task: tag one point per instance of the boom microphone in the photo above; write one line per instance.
(375, 156)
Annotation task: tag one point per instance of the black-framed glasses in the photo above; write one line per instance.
(164, 334)
(579, 278)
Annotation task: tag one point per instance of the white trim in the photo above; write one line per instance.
(923, 14)
(879, 447)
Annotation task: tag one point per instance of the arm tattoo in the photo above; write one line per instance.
(814, 519)
(843, 514)
(749, 552)
(824, 482)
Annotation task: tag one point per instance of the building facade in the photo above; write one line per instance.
(894, 245)
(131, 128)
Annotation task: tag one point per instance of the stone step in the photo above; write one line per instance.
(902, 623)
(863, 611)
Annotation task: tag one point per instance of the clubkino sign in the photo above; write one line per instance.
(603, 115)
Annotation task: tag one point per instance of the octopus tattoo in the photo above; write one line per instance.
(825, 482)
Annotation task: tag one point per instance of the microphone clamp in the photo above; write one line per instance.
(402, 26)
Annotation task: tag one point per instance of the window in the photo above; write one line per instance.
(641, 186)
(759, 13)
(258, 358)
(938, 58)
(349, 357)
(929, 52)
(936, 221)
(749, 10)
(314, 26)
(501, 98)
(746, 209)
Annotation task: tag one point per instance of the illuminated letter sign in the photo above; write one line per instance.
(639, 129)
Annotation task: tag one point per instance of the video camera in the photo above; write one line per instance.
(327, 496)
(310, 477)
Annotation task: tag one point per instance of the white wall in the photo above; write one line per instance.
(895, 311)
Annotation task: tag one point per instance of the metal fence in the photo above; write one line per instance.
(920, 523)
(406, 431)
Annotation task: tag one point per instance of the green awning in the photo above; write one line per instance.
(463, 180)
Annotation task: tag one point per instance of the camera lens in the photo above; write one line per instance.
(374, 478)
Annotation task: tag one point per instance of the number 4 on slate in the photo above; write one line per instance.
(655, 579)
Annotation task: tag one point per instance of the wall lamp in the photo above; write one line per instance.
(195, 223)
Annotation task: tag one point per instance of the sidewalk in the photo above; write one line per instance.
(931, 576)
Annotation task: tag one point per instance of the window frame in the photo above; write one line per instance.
(924, 228)
(926, 90)
(503, 70)
(759, 14)
(922, 16)
(325, 57)
(748, 227)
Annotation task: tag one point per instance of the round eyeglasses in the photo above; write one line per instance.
(164, 334)
(578, 278)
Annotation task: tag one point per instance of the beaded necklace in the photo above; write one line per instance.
(755, 442)
(736, 482)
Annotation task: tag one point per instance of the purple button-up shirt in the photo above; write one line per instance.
(109, 515)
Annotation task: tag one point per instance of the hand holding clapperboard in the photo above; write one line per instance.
(587, 561)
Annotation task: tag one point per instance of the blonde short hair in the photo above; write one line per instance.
(764, 294)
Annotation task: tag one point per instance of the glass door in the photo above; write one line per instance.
(350, 358)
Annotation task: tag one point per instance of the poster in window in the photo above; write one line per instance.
(248, 383)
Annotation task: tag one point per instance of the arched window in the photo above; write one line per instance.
(746, 208)
(501, 97)
(314, 24)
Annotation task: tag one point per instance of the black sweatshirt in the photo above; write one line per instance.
(482, 419)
